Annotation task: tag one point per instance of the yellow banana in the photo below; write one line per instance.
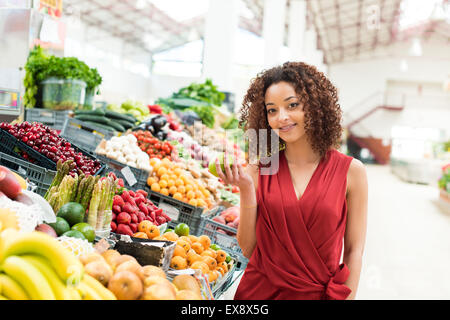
(66, 264)
(104, 293)
(81, 292)
(3, 298)
(58, 287)
(75, 295)
(90, 294)
(11, 289)
(29, 277)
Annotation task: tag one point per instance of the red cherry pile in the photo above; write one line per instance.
(47, 142)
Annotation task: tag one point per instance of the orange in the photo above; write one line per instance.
(210, 253)
(200, 203)
(177, 171)
(197, 247)
(220, 269)
(190, 194)
(198, 194)
(163, 183)
(171, 236)
(161, 171)
(153, 161)
(221, 255)
(166, 162)
(192, 256)
(206, 193)
(155, 187)
(193, 238)
(212, 276)
(164, 191)
(156, 167)
(151, 180)
(141, 235)
(205, 241)
(172, 189)
(182, 189)
(193, 202)
(179, 182)
(178, 196)
(184, 244)
(179, 251)
(223, 265)
(171, 183)
(185, 238)
(173, 177)
(210, 261)
(201, 266)
(152, 232)
(178, 263)
(189, 187)
(144, 226)
(161, 238)
(165, 177)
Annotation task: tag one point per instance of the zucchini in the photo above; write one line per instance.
(100, 126)
(120, 116)
(126, 124)
(98, 119)
(113, 123)
(96, 112)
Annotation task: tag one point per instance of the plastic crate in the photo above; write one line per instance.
(41, 177)
(178, 211)
(118, 167)
(12, 146)
(84, 135)
(217, 232)
(51, 118)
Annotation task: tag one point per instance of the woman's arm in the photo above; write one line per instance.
(355, 233)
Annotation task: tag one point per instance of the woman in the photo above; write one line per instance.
(293, 222)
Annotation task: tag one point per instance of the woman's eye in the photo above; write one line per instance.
(271, 111)
(293, 105)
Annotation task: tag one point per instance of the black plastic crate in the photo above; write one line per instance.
(222, 235)
(178, 211)
(118, 169)
(84, 135)
(52, 118)
(12, 146)
(41, 177)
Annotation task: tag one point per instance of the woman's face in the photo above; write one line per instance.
(285, 112)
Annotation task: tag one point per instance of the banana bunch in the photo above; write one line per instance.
(35, 266)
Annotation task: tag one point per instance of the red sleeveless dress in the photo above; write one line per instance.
(299, 241)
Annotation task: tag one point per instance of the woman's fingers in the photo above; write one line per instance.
(228, 172)
(234, 167)
(219, 171)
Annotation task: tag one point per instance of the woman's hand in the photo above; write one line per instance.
(235, 175)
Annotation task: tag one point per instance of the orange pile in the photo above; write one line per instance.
(169, 179)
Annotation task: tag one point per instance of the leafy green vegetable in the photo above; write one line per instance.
(230, 197)
(206, 113)
(204, 92)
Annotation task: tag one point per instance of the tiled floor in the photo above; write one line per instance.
(407, 252)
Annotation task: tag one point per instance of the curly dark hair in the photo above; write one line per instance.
(319, 96)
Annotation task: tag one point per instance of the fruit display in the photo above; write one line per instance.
(106, 119)
(197, 252)
(132, 209)
(126, 150)
(168, 178)
(190, 146)
(229, 217)
(47, 142)
(152, 146)
(133, 108)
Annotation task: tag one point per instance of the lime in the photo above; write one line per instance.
(86, 229)
(182, 229)
(74, 234)
(60, 226)
(212, 164)
(72, 212)
(215, 247)
(228, 259)
(168, 230)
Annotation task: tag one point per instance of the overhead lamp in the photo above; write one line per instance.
(416, 48)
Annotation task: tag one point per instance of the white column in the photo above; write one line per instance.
(221, 28)
(297, 29)
(273, 31)
(310, 46)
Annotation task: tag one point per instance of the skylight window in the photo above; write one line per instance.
(418, 12)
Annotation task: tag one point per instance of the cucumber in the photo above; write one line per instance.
(113, 123)
(120, 116)
(126, 124)
(100, 125)
(92, 118)
(96, 112)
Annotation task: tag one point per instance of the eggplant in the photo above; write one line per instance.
(158, 122)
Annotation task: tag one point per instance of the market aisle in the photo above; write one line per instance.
(407, 247)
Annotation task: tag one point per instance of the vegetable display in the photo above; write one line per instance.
(152, 146)
(106, 119)
(134, 108)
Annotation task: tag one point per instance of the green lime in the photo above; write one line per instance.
(182, 229)
(60, 226)
(215, 247)
(86, 229)
(74, 234)
(228, 259)
(72, 212)
(168, 230)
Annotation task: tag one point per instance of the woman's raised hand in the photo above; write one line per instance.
(234, 175)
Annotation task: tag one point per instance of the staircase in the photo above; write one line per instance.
(359, 134)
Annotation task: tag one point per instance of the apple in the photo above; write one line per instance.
(212, 164)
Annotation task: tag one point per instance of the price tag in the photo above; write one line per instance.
(129, 176)
(171, 211)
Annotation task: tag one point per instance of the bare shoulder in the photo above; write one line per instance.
(356, 176)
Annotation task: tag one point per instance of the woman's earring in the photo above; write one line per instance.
(282, 146)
